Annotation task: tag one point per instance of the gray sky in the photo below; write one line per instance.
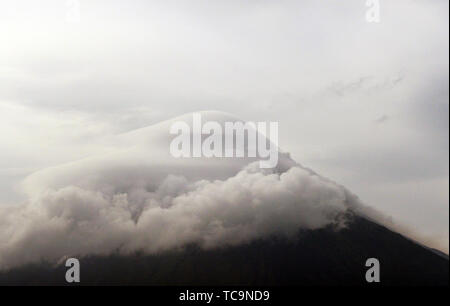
(365, 104)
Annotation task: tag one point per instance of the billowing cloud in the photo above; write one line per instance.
(142, 199)
(250, 205)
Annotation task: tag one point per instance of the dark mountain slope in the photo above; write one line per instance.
(320, 257)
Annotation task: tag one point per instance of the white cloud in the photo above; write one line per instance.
(140, 198)
(65, 89)
(249, 205)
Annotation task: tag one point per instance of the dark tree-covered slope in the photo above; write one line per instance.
(319, 257)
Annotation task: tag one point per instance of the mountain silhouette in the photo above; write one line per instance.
(315, 257)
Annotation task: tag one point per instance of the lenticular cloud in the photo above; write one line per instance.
(139, 198)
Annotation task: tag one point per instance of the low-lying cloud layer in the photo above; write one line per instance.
(252, 204)
(139, 198)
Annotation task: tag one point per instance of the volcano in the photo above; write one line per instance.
(139, 216)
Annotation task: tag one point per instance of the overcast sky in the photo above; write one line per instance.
(364, 104)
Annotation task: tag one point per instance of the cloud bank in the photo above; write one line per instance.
(139, 198)
(252, 204)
